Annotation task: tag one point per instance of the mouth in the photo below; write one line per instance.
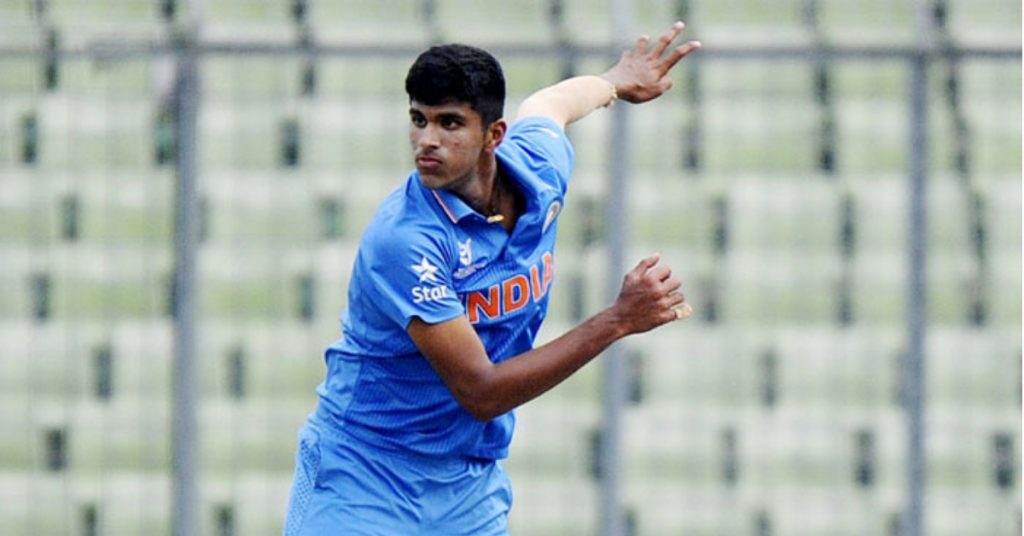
(427, 163)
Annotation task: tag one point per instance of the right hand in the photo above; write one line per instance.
(649, 297)
(642, 72)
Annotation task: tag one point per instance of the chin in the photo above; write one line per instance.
(432, 181)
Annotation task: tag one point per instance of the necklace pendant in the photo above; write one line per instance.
(495, 218)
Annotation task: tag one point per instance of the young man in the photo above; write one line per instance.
(448, 291)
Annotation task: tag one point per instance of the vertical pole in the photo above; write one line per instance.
(611, 515)
(185, 389)
(917, 313)
(914, 369)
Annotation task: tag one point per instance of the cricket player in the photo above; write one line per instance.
(448, 291)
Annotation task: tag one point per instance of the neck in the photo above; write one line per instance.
(482, 192)
(495, 206)
(489, 195)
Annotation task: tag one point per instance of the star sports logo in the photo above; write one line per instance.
(425, 271)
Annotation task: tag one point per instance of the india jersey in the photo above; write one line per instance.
(427, 254)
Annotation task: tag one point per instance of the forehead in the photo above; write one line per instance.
(462, 109)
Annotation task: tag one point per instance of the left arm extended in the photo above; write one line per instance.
(639, 76)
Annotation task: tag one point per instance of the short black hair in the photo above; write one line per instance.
(458, 73)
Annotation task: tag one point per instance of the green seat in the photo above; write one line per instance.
(522, 22)
(868, 21)
(554, 506)
(986, 22)
(348, 22)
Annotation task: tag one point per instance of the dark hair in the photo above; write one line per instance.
(458, 73)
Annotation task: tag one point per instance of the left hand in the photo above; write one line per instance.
(650, 297)
(641, 74)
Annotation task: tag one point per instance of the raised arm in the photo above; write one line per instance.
(640, 75)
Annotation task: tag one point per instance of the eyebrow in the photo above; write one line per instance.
(452, 115)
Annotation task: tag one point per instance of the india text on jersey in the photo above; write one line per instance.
(513, 293)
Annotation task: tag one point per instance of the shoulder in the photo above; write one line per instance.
(402, 225)
(540, 144)
(404, 265)
(538, 138)
(537, 129)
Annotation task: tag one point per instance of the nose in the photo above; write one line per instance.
(426, 137)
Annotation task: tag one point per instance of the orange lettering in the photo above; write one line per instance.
(549, 271)
(516, 293)
(491, 305)
(538, 292)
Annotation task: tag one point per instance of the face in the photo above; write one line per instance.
(449, 143)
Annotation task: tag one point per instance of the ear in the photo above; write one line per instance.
(495, 134)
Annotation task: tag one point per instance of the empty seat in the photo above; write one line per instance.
(522, 22)
(236, 20)
(985, 23)
(354, 22)
(867, 22)
(987, 99)
(554, 506)
(585, 25)
(872, 117)
(968, 368)
(744, 132)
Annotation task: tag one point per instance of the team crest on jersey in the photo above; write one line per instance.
(553, 209)
(466, 252)
(468, 267)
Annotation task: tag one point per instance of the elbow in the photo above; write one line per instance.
(481, 401)
(480, 406)
(483, 416)
(481, 392)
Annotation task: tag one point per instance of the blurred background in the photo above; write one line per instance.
(183, 185)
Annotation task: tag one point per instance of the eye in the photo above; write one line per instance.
(451, 122)
(418, 120)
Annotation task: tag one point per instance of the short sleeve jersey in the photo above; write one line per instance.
(427, 254)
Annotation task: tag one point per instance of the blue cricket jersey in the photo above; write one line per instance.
(427, 254)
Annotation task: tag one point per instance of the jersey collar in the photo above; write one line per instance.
(452, 206)
(456, 209)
